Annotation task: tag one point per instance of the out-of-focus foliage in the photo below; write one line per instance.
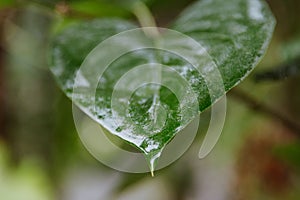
(99, 9)
(291, 50)
(289, 153)
(28, 181)
(6, 3)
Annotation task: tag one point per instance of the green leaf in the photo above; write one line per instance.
(236, 34)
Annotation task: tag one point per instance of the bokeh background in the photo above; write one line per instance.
(42, 158)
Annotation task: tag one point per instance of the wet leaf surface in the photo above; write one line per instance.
(235, 34)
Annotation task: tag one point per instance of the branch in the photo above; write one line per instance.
(265, 109)
(280, 72)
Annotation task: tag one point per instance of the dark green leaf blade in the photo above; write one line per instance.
(70, 47)
(236, 33)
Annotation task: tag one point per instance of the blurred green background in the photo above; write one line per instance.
(42, 158)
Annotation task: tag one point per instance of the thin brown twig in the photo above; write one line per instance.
(265, 109)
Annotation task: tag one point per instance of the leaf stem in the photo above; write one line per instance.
(145, 18)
